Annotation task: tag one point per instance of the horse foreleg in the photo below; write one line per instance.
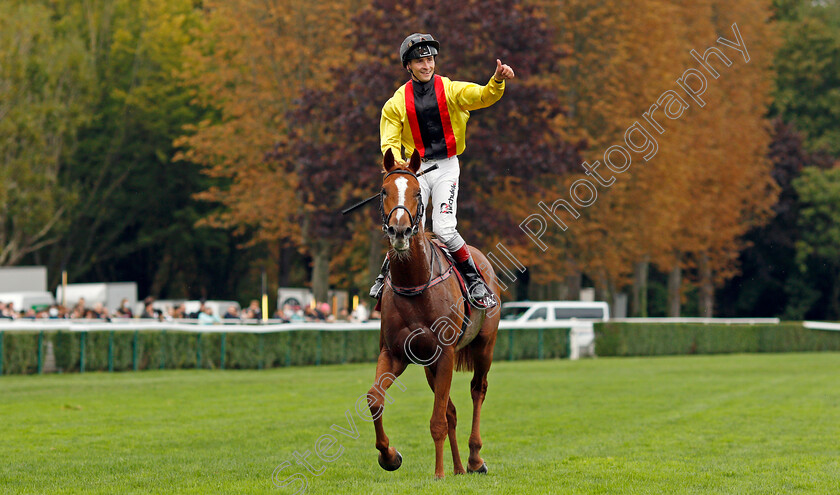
(451, 423)
(438, 425)
(478, 390)
(388, 369)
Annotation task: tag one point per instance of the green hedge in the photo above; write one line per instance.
(144, 350)
(658, 339)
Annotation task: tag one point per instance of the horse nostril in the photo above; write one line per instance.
(391, 231)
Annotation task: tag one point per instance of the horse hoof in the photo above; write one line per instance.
(391, 467)
(481, 470)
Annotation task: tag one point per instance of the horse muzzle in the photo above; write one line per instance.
(400, 236)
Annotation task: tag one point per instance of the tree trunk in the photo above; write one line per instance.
(320, 270)
(674, 293)
(602, 288)
(640, 282)
(284, 264)
(834, 301)
(573, 282)
(522, 284)
(707, 289)
(558, 290)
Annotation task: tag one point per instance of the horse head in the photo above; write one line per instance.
(401, 198)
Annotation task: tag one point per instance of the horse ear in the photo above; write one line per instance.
(414, 164)
(388, 161)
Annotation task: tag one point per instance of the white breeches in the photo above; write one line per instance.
(442, 186)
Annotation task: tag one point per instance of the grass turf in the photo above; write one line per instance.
(702, 424)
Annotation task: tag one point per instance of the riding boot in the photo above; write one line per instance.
(480, 295)
(379, 283)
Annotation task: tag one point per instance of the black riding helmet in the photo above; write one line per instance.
(418, 46)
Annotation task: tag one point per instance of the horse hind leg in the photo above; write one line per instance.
(388, 369)
(451, 423)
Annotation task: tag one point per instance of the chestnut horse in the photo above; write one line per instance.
(424, 321)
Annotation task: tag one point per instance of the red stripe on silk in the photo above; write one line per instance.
(449, 134)
(412, 119)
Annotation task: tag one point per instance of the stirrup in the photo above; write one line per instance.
(488, 301)
(378, 285)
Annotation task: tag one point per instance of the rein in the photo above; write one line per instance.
(415, 228)
(419, 289)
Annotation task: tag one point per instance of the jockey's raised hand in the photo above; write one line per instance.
(503, 71)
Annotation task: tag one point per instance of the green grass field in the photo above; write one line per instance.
(703, 424)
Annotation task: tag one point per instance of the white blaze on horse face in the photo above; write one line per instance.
(402, 185)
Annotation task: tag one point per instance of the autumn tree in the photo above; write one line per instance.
(249, 63)
(687, 207)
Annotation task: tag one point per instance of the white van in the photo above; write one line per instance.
(521, 311)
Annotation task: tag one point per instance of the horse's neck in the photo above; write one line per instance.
(414, 270)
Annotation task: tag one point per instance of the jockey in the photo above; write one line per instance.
(429, 113)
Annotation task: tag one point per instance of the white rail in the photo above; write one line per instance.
(706, 321)
(181, 326)
(821, 325)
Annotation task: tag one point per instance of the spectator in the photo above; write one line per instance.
(343, 315)
(10, 311)
(178, 312)
(207, 317)
(297, 315)
(324, 312)
(284, 314)
(79, 308)
(54, 312)
(232, 313)
(149, 311)
(310, 314)
(124, 311)
(201, 308)
(361, 313)
(254, 311)
(4, 311)
(100, 311)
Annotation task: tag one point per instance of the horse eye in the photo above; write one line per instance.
(382, 192)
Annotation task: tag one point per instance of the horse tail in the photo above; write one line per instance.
(464, 359)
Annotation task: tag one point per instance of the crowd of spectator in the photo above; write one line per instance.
(320, 312)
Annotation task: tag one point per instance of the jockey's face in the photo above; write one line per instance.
(422, 69)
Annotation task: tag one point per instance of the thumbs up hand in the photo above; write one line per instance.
(503, 71)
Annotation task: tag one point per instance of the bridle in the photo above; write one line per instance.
(413, 219)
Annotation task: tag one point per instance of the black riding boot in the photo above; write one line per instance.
(480, 295)
(379, 283)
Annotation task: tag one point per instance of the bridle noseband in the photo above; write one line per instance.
(415, 219)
